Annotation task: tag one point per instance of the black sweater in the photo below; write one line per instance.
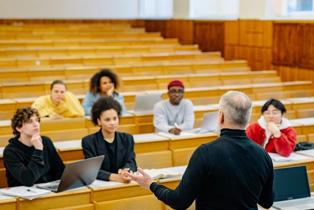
(117, 156)
(27, 166)
(232, 172)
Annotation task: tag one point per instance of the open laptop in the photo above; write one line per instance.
(76, 174)
(292, 191)
(145, 102)
(209, 123)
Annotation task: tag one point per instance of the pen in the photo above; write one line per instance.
(30, 190)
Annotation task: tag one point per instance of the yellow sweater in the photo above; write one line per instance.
(69, 107)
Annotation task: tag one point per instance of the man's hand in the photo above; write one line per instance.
(142, 178)
(274, 129)
(175, 131)
(37, 142)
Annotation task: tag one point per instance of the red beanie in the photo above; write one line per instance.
(177, 83)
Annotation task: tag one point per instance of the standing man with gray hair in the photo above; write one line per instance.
(230, 173)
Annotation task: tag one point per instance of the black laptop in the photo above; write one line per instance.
(76, 174)
(291, 188)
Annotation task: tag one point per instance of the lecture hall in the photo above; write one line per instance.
(156, 104)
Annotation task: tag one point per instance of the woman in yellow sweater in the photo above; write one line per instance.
(59, 104)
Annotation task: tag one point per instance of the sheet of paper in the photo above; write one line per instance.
(4, 197)
(166, 172)
(292, 157)
(28, 193)
(101, 183)
(148, 137)
(309, 152)
(182, 134)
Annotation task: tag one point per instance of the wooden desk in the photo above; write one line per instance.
(130, 196)
(152, 151)
(182, 147)
(109, 196)
(7, 203)
(77, 128)
(75, 199)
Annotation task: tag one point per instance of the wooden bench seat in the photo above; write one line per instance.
(198, 96)
(139, 83)
(135, 123)
(86, 42)
(101, 50)
(91, 59)
(74, 72)
(78, 36)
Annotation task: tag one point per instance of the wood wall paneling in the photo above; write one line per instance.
(181, 29)
(209, 35)
(250, 40)
(285, 45)
(306, 46)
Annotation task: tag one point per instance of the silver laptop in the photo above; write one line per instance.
(292, 191)
(145, 102)
(76, 174)
(209, 123)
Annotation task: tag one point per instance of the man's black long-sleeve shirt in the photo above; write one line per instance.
(27, 166)
(232, 172)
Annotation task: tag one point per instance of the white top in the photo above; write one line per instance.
(167, 115)
(1, 152)
(148, 137)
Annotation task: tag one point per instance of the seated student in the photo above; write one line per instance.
(103, 83)
(176, 114)
(59, 104)
(272, 130)
(117, 147)
(30, 158)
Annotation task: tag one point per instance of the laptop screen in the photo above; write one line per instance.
(291, 183)
(145, 102)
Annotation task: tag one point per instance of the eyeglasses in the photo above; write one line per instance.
(181, 91)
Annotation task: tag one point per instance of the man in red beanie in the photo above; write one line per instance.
(176, 114)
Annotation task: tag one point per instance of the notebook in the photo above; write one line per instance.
(145, 103)
(76, 174)
(291, 188)
(209, 123)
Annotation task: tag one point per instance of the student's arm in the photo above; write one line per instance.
(42, 106)
(74, 105)
(188, 122)
(89, 151)
(130, 160)
(120, 99)
(56, 164)
(193, 179)
(88, 103)
(285, 143)
(160, 119)
(25, 174)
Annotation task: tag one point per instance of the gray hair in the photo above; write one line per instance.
(237, 107)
